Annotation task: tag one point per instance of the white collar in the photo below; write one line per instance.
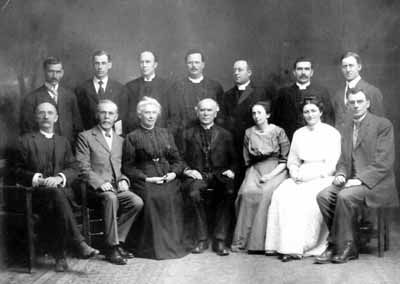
(51, 87)
(104, 132)
(303, 86)
(208, 127)
(242, 87)
(151, 78)
(196, 81)
(358, 120)
(351, 84)
(104, 80)
(46, 134)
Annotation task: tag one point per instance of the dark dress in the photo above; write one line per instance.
(158, 231)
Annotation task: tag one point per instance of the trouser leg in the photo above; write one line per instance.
(223, 196)
(194, 191)
(348, 205)
(130, 205)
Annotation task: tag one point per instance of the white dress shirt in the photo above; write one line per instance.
(97, 85)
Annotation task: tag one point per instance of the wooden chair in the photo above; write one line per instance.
(18, 201)
(383, 230)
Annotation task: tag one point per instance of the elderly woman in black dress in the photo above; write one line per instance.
(152, 162)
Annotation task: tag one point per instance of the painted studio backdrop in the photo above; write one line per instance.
(270, 33)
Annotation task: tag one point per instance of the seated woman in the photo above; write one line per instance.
(265, 151)
(152, 162)
(295, 225)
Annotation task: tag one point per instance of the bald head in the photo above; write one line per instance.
(241, 72)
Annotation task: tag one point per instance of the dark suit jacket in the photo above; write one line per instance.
(285, 110)
(182, 97)
(97, 163)
(137, 89)
(373, 157)
(223, 155)
(69, 118)
(235, 110)
(341, 111)
(88, 100)
(30, 158)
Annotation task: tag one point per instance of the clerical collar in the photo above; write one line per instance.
(197, 80)
(358, 120)
(46, 134)
(152, 76)
(303, 86)
(104, 80)
(207, 127)
(51, 87)
(351, 84)
(242, 87)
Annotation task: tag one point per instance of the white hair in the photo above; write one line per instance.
(215, 104)
(147, 101)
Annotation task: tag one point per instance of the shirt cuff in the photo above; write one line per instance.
(64, 179)
(35, 179)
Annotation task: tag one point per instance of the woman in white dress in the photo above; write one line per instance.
(295, 225)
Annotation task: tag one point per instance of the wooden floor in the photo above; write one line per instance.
(209, 268)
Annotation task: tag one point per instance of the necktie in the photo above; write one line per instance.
(346, 93)
(54, 94)
(356, 129)
(101, 89)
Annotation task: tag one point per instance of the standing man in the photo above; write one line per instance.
(351, 67)
(209, 153)
(364, 177)
(287, 111)
(236, 108)
(102, 87)
(236, 103)
(149, 85)
(69, 122)
(187, 92)
(45, 162)
(99, 153)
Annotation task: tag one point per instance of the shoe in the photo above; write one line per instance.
(124, 253)
(290, 257)
(61, 264)
(114, 257)
(220, 248)
(326, 256)
(201, 247)
(271, 253)
(87, 251)
(349, 252)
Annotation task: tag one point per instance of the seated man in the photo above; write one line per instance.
(364, 177)
(99, 153)
(209, 152)
(45, 161)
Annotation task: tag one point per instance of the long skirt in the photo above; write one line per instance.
(252, 206)
(158, 232)
(295, 223)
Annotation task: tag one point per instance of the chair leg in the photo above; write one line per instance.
(29, 228)
(387, 231)
(380, 217)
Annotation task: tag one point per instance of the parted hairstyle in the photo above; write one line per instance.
(147, 101)
(313, 100)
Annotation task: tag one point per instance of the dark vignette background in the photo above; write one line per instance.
(269, 33)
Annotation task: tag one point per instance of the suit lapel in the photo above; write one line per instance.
(363, 130)
(197, 137)
(246, 93)
(214, 135)
(100, 138)
(58, 144)
(109, 89)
